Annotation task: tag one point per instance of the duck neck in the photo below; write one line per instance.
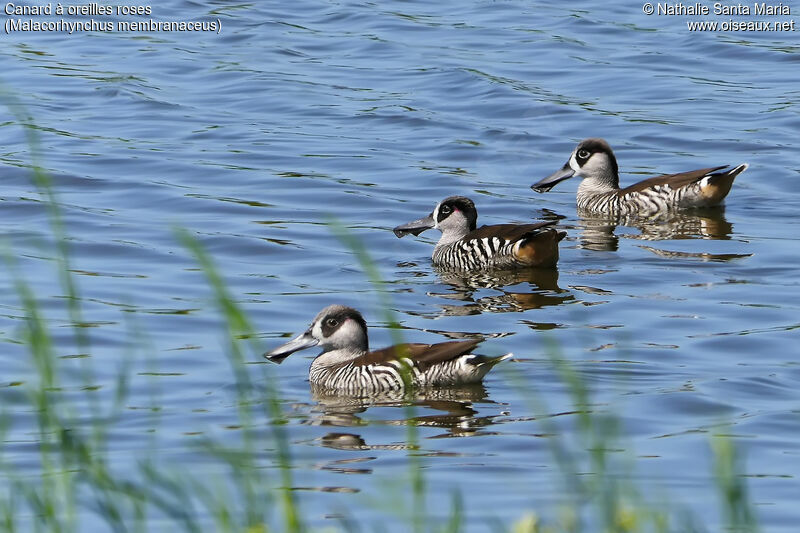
(335, 357)
(596, 186)
(451, 235)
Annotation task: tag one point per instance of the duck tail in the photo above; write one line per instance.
(541, 248)
(738, 170)
(491, 361)
(715, 187)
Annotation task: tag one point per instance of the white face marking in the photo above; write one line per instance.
(316, 331)
(573, 163)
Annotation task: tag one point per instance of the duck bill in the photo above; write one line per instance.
(553, 179)
(304, 340)
(415, 227)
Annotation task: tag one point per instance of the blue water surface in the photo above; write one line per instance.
(299, 115)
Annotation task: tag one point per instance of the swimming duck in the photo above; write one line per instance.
(500, 246)
(599, 191)
(346, 364)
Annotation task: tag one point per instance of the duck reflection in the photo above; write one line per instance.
(453, 411)
(702, 256)
(598, 232)
(532, 289)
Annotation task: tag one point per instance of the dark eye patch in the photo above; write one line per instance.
(445, 210)
(330, 325)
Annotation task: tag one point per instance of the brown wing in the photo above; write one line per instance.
(675, 181)
(424, 354)
(511, 232)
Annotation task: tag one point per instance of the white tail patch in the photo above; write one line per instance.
(741, 168)
(509, 355)
(732, 172)
(492, 361)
